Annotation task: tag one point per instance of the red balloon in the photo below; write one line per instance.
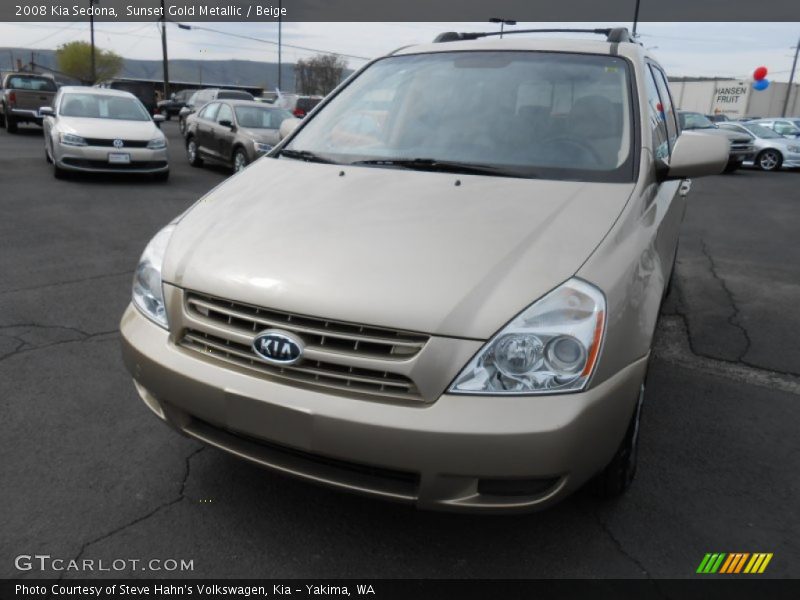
(760, 73)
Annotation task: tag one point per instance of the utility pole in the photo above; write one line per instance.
(164, 50)
(791, 80)
(280, 41)
(91, 28)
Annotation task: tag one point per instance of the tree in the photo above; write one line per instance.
(320, 74)
(75, 59)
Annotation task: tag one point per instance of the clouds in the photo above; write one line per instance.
(694, 49)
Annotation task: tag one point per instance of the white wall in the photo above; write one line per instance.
(700, 96)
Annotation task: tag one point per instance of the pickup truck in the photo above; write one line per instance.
(21, 97)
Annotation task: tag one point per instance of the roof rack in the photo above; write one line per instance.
(614, 35)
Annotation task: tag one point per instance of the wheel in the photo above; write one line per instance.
(162, 176)
(193, 154)
(732, 166)
(2, 119)
(769, 160)
(11, 124)
(616, 478)
(239, 160)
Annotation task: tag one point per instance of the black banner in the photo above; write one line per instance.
(701, 588)
(622, 11)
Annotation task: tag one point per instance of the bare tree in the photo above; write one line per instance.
(319, 75)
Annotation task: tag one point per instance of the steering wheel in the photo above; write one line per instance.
(570, 144)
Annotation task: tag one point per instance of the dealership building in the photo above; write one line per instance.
(735, 98)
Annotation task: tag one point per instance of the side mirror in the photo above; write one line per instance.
(47, 111)
(159, 118)
(698, 154)
(226, 123)
(287, 127)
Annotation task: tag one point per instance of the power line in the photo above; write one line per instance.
(255, 39)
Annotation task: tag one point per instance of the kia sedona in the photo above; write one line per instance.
(441, 288)
(98, 130)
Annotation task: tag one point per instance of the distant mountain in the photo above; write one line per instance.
(222, 72)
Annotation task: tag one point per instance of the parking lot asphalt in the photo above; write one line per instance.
(88, 472)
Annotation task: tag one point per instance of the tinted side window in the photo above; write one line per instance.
(224, 114)
(210, 112)
(655, 116)
(666, 102)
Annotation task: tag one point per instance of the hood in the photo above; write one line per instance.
(727, 133)
(109, 128)
(444, 254)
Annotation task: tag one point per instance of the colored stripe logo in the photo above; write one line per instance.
(734, 563)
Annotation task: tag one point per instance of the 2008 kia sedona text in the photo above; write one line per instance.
(442, 286)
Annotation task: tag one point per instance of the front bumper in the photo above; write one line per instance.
(459, 453)
(94, 159)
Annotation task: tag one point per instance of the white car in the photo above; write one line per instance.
(99, 130)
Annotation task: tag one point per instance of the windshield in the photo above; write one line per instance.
(525, 114)
(98, 106)
(257, 117)
(695, 121)
(762, 132)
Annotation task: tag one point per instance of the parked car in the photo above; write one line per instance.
(741, 146)
(784, 127)
(772, 150)
(718, 118)
(97, 130)
(202, 97)
(454, 310)
(21, 97)
(144, 91)
(172, 107)
(234, 132)
(299, 106)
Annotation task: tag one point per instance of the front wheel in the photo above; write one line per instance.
(769, 160)
(616, 478)
(2, 119)
(239, 160)
(193, 154)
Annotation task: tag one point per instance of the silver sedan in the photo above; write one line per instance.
(772, 150)
(103, 131)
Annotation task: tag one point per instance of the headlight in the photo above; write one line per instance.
(261, 147)
(551, 347)
(793, 148)
(70, 139)
(157, 144)
(148, 295)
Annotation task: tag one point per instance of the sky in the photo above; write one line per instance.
(684, 49)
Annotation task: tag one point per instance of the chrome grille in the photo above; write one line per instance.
(341, 356)
(319, 334)
(310, 372)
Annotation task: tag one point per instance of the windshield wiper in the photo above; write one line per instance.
(443, 166)
(305, 155)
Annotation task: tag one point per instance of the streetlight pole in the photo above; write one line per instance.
(502, 22)
(791, 80)
(164, 50)
(280, 41)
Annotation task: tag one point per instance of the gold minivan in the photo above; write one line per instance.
(441, 288)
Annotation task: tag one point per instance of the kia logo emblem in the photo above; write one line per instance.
(278, 347)
(118, 143)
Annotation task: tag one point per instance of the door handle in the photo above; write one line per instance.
(685, 187)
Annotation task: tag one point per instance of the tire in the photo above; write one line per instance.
(192, 153)
(769, 160)
(161, 177)
(732, 166)
(2, 119)
(613, 481)
(11, 124)
(240, 161)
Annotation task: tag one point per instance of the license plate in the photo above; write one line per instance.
(119, 158)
